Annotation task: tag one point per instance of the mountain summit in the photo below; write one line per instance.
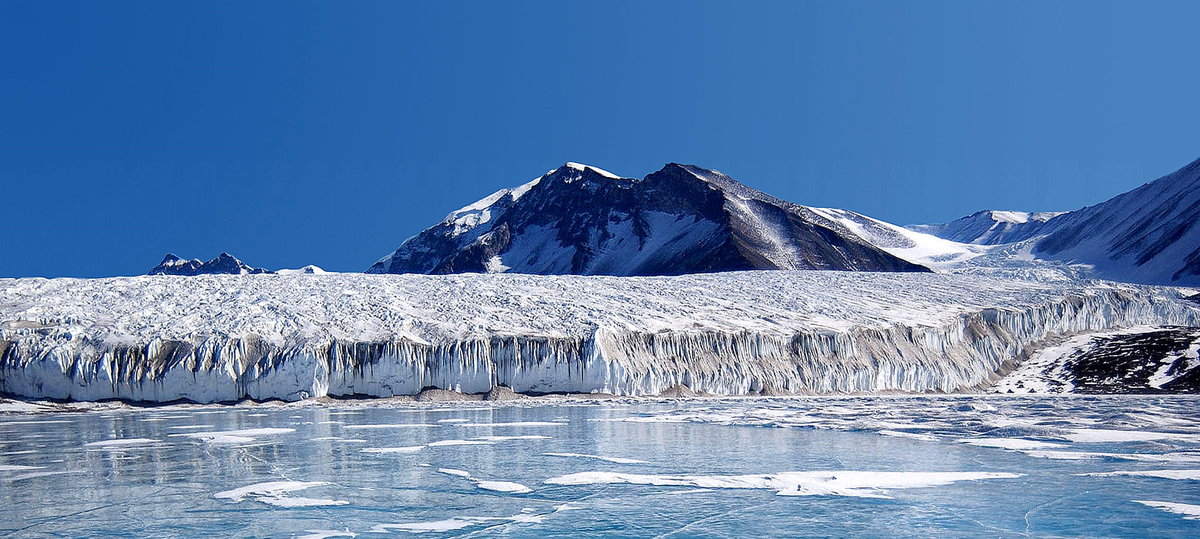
(225, 263)
(578, 219)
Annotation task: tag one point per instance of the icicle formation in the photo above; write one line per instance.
(942, 335)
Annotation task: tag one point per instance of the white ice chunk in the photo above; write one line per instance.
(1011, 443)
(405, 449)
(503, 486)
(1193, 475)
(452, 471)
(326, 534)
(1189, 511)
(444, 443)
(276, 493)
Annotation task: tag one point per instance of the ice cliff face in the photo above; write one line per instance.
(581, 220)
(222, 338)
(225, 263)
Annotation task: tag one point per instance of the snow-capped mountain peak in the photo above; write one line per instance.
(224, 263)
(580, 219)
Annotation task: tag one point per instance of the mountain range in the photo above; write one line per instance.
(582, 220)
(579, 219)
(1147, 235)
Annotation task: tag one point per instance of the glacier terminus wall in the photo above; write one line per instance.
(217, 338)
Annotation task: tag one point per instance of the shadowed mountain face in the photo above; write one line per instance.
(223, 264)
(1148, 235)
(578, 219)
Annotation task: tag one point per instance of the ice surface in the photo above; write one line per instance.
(444, 443)
(724, 456)
(1109, 435)
(508, 487)
(831, 483)
(503, 486)
(452, 471)
(243, 436)
(404, 449)
(17, 468)
(122, 443)
(326, 534)
(221, 338)
(1193, 475)
(616, 460)
(1010, 443)
(421, 527)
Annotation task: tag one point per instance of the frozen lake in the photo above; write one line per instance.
(787, 467)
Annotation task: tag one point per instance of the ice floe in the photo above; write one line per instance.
(458, 523)
(1117, 436)
(1189, 511)
(1193, 475)
(278, 493)
(385, 450)
(503, 486)
(508, 487)
(1010, 443)
(443, 443)
(234, 437)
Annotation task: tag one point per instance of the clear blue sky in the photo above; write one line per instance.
(326, 133)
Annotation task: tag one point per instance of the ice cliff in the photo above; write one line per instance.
(223, 338)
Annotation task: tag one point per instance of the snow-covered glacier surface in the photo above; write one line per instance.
(224, 338)
(883, 466)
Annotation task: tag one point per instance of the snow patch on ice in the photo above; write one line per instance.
(1193, 475)
(1189, 511)
(233, 437)
(277, 493)
(503, 486)
(1010, 443)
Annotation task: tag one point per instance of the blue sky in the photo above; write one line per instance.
(326, 133)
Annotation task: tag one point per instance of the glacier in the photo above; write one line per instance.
(220, 338)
